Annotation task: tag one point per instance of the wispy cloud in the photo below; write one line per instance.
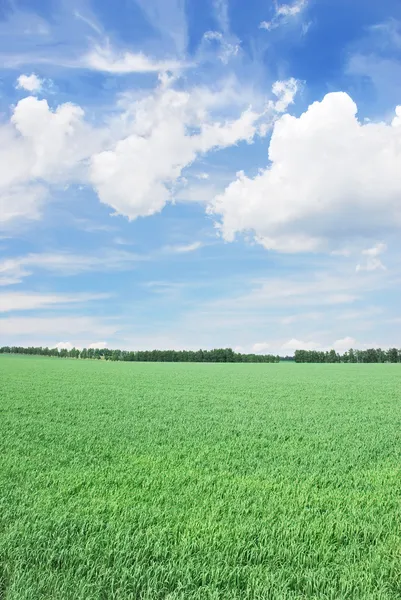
(221, 13)
(14, 270)
(16, 301)
(184, 248)
(107, 60)
(372, 261)
(283, 14)
(89, 21)
(49, 330)
(229, 47)
(168, 18)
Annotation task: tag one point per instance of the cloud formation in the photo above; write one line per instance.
(283, 14)
(14, 270)
(31, 83)
(295, 344)
(106, 60)
(135, 158)
(372, 261)
(330, 180)
(169, 129)
(40, 147)
(13, 301)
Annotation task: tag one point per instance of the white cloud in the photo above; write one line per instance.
(228, 46)
(290, 10)
(373, 262)
(169, 130)
(107, 60)
(54, 142)
(285, 92)
(184, 248)
(295, 344)
(260, 347)
(375, 250)
(283, 14)
(202, 175)
(40, 147)
(88, 21)
(12, 301)
(397, 119)
(21, 201)
(331, 179)
(64, 346)
(344, 344)
(31, 83)
(135, 160)
(98, 345)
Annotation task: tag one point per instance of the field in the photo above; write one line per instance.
(134, 481)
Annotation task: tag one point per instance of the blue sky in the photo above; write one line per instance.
(200, 174)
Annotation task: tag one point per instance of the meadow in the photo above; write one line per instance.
(149, 481)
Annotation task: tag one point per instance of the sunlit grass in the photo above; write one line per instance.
(186, 481)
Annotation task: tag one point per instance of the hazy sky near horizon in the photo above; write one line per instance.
(185, 174)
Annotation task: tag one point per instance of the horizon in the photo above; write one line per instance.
(200, 176)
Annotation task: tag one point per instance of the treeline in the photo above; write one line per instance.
(372, 355)
(219, 355)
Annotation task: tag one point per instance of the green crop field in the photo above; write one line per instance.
(181, 481)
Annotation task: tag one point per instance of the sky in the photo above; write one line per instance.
(198, 174)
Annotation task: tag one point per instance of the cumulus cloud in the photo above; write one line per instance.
(134, 160)
(31, 83)
(330, 180)
(295, 344)
(344, 344)
(64, 346)
(283, 14)
(40, 147)
(285, 92)
(169, 130)
(397, 119)
(98, 345)
(260, 347)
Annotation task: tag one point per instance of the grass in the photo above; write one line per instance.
(183, 481)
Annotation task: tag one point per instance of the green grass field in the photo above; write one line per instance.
(199, 481)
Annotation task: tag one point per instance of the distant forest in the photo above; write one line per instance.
(372, 355)
(219, 355)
